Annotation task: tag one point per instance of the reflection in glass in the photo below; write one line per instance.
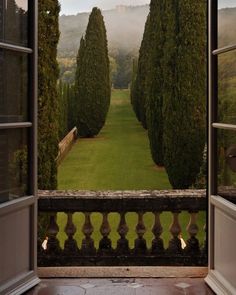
(226, 179)
(13, 164)
(227, 87)
(13, 86)
(226, 22)
(14, 21)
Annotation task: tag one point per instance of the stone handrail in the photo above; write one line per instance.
(65, 145)
(122, 202)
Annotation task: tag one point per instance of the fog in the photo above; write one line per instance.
(74, 6)
(226, 3)
(125, 27)
(226, 27)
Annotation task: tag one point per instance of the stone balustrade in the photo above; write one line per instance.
(122, 202)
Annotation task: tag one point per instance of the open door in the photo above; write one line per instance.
(18, 154)
(222, 147)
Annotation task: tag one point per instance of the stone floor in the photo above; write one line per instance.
(119, 286)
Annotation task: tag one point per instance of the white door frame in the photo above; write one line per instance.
(222, 213)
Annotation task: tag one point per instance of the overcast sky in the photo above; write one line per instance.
(75, 6)
(227, 3)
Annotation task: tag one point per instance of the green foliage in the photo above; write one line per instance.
(123, 75)
(201, 180)
(93, 78)
(47, 93)
(67, 67)
(113, 68)
(63, 93)
(72, 103)
(155, 81)
(184, 91)
(139, 85)
(133, 87)
(67, 108)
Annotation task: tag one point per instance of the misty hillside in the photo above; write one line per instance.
(227, 25)
(125, 26)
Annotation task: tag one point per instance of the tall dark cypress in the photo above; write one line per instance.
(138, 91)
(133, 86)
(93, 87)
(185, 91)
(48, 74)
(72, 113)
(154, 93)
(63, 93)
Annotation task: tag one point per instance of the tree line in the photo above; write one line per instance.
(168, 92)
(62, 106)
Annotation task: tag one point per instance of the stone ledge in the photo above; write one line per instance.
(127, 194)
(123, 272)
(122, 201)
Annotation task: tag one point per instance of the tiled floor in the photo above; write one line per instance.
(121, 287)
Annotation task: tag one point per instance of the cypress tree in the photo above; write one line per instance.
(92, 78)
(48, 74)
(154, 93)
(185, 90)
(133, 86)
(63, 93)
(72, 113)
(138, 91)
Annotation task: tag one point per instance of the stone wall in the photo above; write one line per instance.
(66, 144)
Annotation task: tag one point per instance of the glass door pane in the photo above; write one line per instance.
(13, 86)
(14, 22)
(226, 163)
(226, 23)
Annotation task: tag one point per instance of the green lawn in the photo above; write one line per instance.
(118, 159)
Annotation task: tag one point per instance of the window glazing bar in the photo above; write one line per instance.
(224, 49)
(15, 125)
(224, 126)
(15, 48)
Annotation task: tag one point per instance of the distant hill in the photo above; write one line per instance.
(125, 26)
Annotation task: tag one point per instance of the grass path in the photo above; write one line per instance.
(117, 159)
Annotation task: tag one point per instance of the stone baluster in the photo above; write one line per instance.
(157, 242)
(87, 247)
(122, 243)
(140, 246)
(105, 243)
(175, 230)
(70, 247)
(53, 246)
(192, 244)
